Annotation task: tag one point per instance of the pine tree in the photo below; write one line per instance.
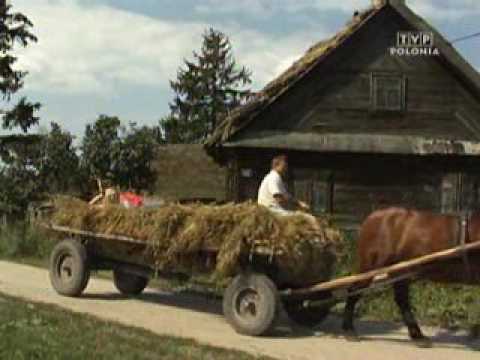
(206, 89)
(18, 178)
(14, 30)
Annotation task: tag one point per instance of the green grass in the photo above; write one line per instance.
(447, 306)
(37, 331)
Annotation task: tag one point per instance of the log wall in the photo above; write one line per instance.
(352, 186)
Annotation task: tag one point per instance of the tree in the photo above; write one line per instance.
(101, 148)
(121, 156)
(206, 89)
(136, 156)
(19, 184)
(17, 173)
(58, 165)
(14, 30)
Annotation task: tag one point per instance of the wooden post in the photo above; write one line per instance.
(233, 190)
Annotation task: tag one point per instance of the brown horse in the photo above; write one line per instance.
(393, 235)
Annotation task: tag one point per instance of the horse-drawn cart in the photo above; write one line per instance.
(251, 301)
(253, 298)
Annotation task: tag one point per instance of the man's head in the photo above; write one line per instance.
(280, 164)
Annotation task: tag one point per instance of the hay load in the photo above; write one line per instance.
(305, 252)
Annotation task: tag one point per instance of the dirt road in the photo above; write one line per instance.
(195, 317)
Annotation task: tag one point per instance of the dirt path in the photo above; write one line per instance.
(195, 317)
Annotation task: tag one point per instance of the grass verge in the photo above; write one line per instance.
(38, 331)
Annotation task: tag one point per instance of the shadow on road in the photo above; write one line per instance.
(368, 330)
(188, 299)
(391, 332)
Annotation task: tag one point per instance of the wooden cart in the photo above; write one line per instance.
(253, 298)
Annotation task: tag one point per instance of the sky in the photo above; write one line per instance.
(116, 57)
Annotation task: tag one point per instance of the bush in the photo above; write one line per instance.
(21, 240)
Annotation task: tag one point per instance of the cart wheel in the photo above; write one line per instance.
(69, 270)
(128, 283)
(251, 304)
(309, 316)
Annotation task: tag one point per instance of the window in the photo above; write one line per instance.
(314, 187)
(388, 92)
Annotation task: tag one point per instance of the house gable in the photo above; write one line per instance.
(335, 95)
(338, 96)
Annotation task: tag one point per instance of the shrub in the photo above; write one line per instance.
(21, 239)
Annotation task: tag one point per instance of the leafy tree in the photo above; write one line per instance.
(101, 148)
(58, 164)
(34, 165)
(119, 155)
(136, 156)
(19, 184)
(206, 89)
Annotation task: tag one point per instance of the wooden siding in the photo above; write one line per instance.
(352, 186)
(358, 193)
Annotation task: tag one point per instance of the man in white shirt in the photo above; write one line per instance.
(273, 193)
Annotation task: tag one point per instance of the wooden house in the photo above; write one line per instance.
(385, 113)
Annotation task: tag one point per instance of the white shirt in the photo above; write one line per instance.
(272, 185)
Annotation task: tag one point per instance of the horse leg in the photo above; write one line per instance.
(402, 298)
(348, 316)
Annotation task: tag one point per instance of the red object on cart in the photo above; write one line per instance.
(130, 199)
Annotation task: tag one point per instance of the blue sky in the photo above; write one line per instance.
(117, 56)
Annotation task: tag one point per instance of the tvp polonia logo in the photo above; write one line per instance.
(415, 43)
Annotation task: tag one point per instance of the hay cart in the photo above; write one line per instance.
(253, 298)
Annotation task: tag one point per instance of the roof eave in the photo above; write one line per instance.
(358, 143)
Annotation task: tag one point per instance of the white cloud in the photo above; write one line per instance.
(448, 10)
(96, 49)
(347, 6)
(261, 8)
(268, 56)
(92, 49)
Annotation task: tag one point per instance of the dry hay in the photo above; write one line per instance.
(174, 233)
